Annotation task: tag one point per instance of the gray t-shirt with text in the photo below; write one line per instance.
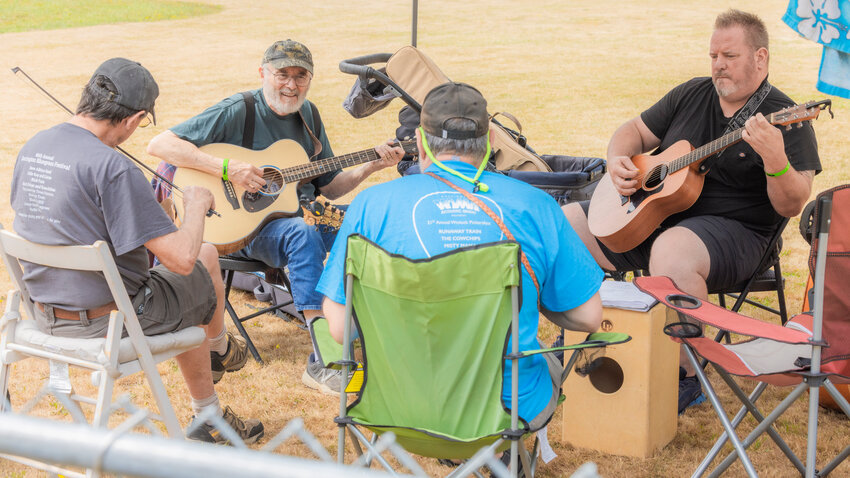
(68, 188)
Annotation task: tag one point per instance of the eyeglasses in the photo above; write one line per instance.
(145, 121)
(300, 80)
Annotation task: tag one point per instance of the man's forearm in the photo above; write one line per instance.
(183, 154)
(346, 181)
(790, 191)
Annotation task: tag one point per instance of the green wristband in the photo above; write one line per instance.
(780, 173)
(227, 160)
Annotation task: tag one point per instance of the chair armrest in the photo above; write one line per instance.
(594, 340)
(328, 350)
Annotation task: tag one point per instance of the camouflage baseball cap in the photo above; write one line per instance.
(454, 100)
(288, 53)
(135, 87)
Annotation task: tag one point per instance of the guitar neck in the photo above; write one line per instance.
(317, 168)
(706, 150)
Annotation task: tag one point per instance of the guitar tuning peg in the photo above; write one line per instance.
(787, 127)
(799, 125)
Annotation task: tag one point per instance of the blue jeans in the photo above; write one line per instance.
(289, 241)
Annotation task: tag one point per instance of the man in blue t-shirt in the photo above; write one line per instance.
(426, 217)
(280, 111)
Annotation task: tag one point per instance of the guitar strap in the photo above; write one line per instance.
(739, 119)
(317, 145)
(248, 131)
(498, 222)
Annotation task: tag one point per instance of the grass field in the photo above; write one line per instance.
(27, 15)
(572, 72)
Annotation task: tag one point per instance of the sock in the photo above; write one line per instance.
(198, 406)
(219, 344)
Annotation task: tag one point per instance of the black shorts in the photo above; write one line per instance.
(734, 250)
(167, 302)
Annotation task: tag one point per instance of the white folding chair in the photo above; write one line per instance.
(107, 358)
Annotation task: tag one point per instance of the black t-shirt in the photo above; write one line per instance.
(736, 186)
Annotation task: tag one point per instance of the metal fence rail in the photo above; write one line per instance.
(132, 454)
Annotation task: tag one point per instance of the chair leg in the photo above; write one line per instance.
(749, 405)
(235, 318)
(724, 420)
(812, 438)
(228, 306)
(845, 407)
(762, 427)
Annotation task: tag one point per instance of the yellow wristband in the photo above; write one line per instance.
(780, 173)
(224, 169)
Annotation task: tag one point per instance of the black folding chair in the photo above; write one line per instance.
(229, 266)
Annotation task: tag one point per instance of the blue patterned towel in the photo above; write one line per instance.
(834, 76)
(823, 21)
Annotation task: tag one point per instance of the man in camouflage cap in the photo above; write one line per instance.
(255, 120)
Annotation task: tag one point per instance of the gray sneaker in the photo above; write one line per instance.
(320, 378)
(249, 430)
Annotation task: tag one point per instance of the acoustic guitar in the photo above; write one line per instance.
(285, 164)
(668, 183)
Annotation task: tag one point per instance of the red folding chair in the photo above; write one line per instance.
(810, 351)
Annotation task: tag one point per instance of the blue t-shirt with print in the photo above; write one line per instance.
(419, 216)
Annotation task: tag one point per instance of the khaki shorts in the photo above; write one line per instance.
(165, 303)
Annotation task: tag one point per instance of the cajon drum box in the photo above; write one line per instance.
(627, 404)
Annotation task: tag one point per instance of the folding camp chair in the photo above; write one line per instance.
(230, 265)
(810, 351)
(434, 335)
(107, 358)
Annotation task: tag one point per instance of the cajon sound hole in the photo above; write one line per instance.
(606, 375)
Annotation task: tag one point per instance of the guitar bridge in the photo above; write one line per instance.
(230, 194)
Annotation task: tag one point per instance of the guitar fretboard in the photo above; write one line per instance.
(706, 150)
(317, 168)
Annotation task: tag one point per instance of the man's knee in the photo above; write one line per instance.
(208, 255)
(680, 254)
(575, 215)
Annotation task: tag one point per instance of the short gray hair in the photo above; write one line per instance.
(474, 147)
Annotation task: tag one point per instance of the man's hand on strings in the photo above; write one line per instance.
(766, 140)
(245, 175)
(389, 154)
(623, 173)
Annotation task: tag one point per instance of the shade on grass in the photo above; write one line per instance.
(25, 15)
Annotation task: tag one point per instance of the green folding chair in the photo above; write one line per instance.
(434, 335)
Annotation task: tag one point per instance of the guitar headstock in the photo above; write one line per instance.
(800, 113)
(322, 213)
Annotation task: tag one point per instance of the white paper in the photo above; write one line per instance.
(547, 454)
(60, 381)
(625, 295)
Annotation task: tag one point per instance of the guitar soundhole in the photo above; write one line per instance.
(274, 181)
(655, 177)
(266, 196)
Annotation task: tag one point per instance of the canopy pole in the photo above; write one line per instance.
(415, 21)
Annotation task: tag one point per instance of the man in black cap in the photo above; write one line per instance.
(278, 110)
(70, 187)
(429, 215)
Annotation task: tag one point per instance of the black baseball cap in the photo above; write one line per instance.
(136, 88)
(454, 100)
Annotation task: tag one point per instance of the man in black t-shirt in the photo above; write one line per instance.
(719, 240)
